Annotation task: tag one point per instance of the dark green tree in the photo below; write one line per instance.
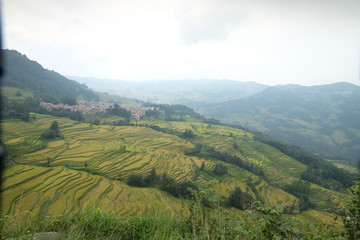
(52, 132)
(240, 200)
(203, 166)
(152, 178)
(136, 180)
(188, 133)
(301, 190)
(219, 169)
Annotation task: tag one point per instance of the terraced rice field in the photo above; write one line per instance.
(279, 168)
(30, 190)
(113, 152)
(90, 164)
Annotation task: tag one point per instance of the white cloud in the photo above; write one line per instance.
(273, 41)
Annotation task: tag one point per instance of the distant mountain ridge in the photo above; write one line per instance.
(323, 118)
(189, 92)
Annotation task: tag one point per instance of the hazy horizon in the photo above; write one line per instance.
(269, 42)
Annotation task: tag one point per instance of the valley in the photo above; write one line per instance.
(73, 151)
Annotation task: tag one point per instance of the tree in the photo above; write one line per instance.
(219, 169)
(48, 134)
(52, 132)
(188, 133)
(152, 177)
(121, 112)
(203, 166)
(136, 180)
(240, 200)
(54, 126)
(69, 100)
(301, 190)
(96, 121)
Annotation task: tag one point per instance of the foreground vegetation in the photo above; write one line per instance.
(206, 219)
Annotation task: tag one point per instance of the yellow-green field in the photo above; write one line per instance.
(90, 166)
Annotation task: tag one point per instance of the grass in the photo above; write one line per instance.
(95, 223)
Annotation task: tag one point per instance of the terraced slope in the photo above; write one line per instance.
(31, 190)
(90, 164)
(279, 168)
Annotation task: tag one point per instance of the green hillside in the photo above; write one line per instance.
(323, 118)
(109, 154)
(171, 162)
(90, 165)
(49, 86)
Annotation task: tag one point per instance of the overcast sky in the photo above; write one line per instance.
(306, 42)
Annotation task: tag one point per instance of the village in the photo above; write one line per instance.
(91, 108)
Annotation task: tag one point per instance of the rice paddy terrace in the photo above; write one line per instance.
(90, 165)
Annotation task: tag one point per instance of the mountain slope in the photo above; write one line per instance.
(50, 86)
(322, 118)
(85, 163)
(89, 156)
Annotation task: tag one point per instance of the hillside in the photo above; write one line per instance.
(49, 86)
(90, 162)
(166, 161)
(323, 118)
(188, 92)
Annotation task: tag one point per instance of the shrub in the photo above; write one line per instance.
(240, 200)
(219, 169)
(136, 180)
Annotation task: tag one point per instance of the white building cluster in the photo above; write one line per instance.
(90, 108)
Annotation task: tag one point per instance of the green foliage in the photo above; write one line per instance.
(136, 180)
(16, 109)
(164, 182)
(73, 115)
(202, 167)
(211, 121)
(219, 169)
(152, 178)
(55, 126)
(52, 133)
(71, 101)
(274, 225)
(22, 108)
(121, 112)
(188, 133)
(301, 190)
(199, 224)
(240, 200)
(352, 212)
